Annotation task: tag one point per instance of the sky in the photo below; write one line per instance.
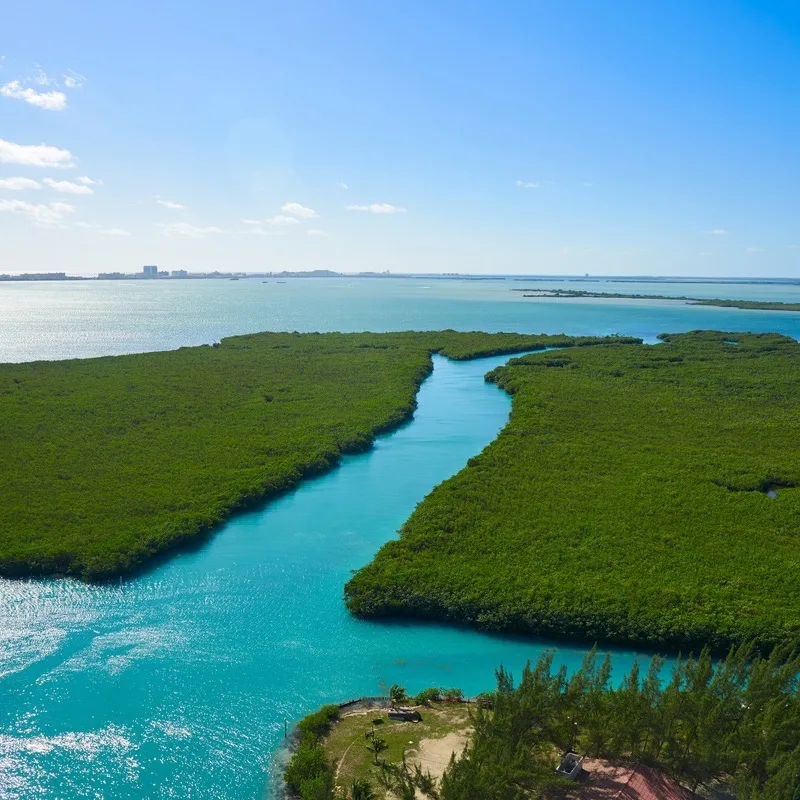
(535, 137)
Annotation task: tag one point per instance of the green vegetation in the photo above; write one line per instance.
(736, 723)
(309, 773)
(753, 305)
(110, 461)
(347, 749)
(626, 501)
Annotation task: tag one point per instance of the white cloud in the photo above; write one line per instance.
(342, 185)
(68, 187)
(281, 220)
(718, 232)
(46, 214)
(316, 232)
(379, 208)
(527, 185)
(73, 80)
(49, 101)
(19, 184)
(170, 204)
(34, 155)
(100, 229)
(187, 230)
(295, 209)
(754, 249)
(251, 222)
(41, 77)
(89, 181)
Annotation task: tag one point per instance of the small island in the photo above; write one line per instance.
(750, 305)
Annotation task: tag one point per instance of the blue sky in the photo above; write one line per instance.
(600, 136)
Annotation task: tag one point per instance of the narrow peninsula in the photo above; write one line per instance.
(750, 305)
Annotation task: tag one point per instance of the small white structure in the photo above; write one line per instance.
(570, 766)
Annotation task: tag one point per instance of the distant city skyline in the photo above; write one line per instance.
(564, 137)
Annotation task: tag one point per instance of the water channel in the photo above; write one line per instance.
(178, 683)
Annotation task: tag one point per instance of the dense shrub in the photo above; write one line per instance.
(625, 501)
(107, 462)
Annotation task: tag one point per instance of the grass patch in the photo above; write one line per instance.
(107, 462)
(350, 760)
(623, 502)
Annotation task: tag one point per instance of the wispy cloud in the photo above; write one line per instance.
(378, 208)
(587, 184)
(281, 221)
(718, 232)
(794, 246)
(35, 155)
(342, 185)
(102, 229)
(754, 249)
(188, 231)
(316, 232)
(45, 214)
(296, 210)
(263, 232)
(528, 184)
(86, 181)
(73, 80)
(49, 101)
(68, 187)
(171, 204)
(19, 184)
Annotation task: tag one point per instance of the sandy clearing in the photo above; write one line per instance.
(433, 755)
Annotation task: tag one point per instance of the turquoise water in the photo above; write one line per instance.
(72, 320)
(177, 684)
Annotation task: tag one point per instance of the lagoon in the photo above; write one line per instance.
(52, 320)
(178, 683)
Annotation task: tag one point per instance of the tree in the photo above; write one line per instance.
(361, 790)
(397, 694)
(376, 745)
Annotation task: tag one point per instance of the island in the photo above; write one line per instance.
(751, 305)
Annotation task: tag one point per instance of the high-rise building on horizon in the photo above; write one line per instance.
(150, 271)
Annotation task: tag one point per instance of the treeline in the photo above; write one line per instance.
(736, 723)
(631, 499)
(107, 462)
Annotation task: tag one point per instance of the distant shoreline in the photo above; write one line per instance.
(60, 277)
(753, 305)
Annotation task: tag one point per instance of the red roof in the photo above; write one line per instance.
(647, 784)
(620, 780)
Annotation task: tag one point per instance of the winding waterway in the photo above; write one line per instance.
(178, 683)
